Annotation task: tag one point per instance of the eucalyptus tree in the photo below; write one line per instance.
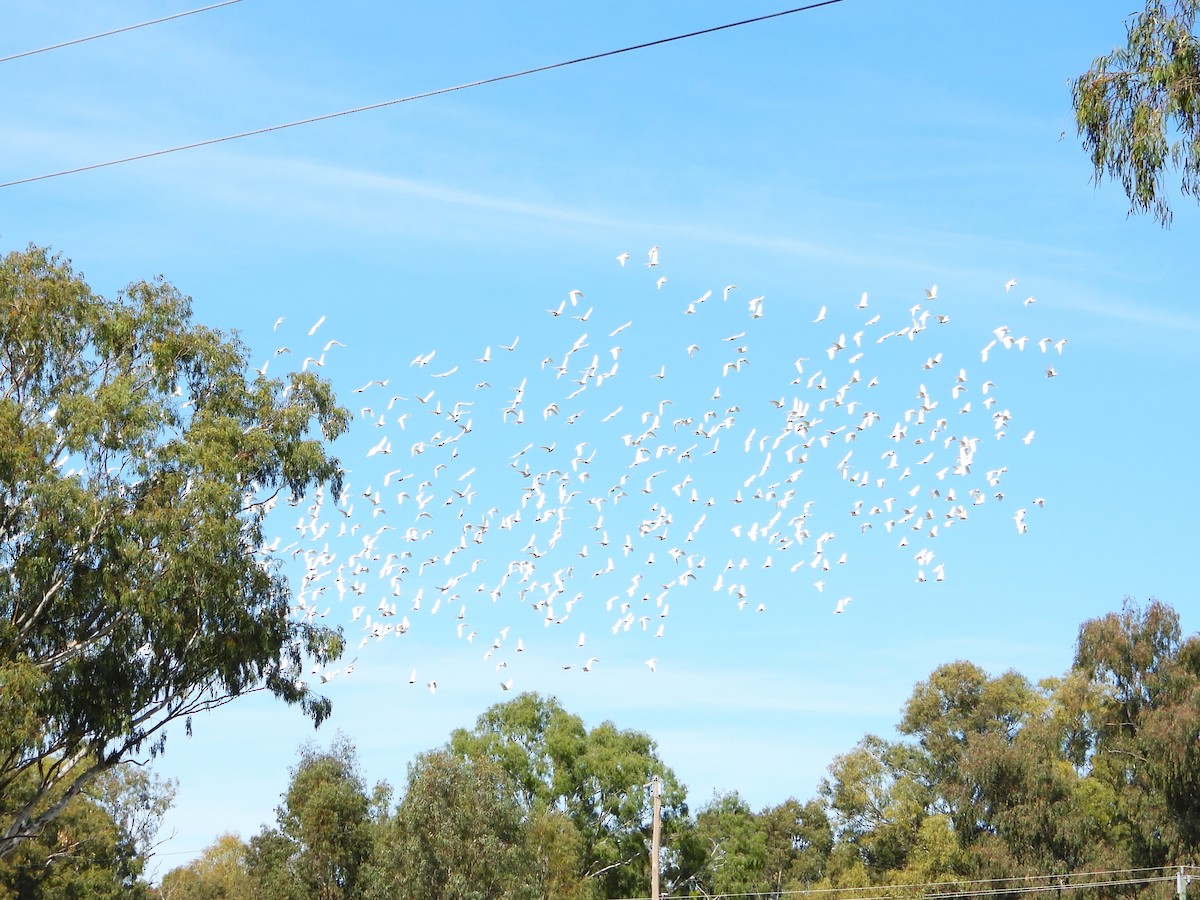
(100, 845)
(768, 854)
(326, 829)
(1138, 107)
(219, 873)
(138, 462)
(1136, 692)
(457, 834)
(597, 778)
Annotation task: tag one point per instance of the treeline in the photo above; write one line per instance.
(994, 779)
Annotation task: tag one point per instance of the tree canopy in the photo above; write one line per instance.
(598, 779)
(324, 835)
(220, 873)
(1138, 107)
(458, 833)
(98, 847)
(993, 783)
(138, 461)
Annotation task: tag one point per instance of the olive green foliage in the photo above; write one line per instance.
(99, 845)
(137, 465)
(1139, 718)
(1000, 778)
(1138, 108)
(599, 779)
(325, 829)
(877, 800)
(781, 848)
(221, 873)
(136, 800)
(458, 834)
(557, 849)
(991, 778)
(984, 791)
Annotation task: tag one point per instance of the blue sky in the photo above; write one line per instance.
(864, 147)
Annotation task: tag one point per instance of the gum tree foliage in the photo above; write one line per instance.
(877, 797)
(136, 800)
(1137, 728)
(457, 834)
(780, 849)
(731, 847)
(993, 777)
(326, 828)
(137, 464)
(98, 847)
(994, 757)
(598, 779)
(220, 873)
(1138, 108)
(556, 847)
(958, 716)
(1001, 778)
(967, 795)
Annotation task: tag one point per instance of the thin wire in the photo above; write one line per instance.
(92, 37)
(422, 96)
(1053, 880)
(1001, 886)
(1049, 886)
(1012, 889)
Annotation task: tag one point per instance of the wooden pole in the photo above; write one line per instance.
(655, 832)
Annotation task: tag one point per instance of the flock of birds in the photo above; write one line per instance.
(522, 493)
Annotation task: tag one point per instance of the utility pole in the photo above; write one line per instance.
(1181, 884)
(655, 836)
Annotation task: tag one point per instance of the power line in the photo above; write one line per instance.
(991, 885)
(981, 887)
(447, 90)
(92, 37)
